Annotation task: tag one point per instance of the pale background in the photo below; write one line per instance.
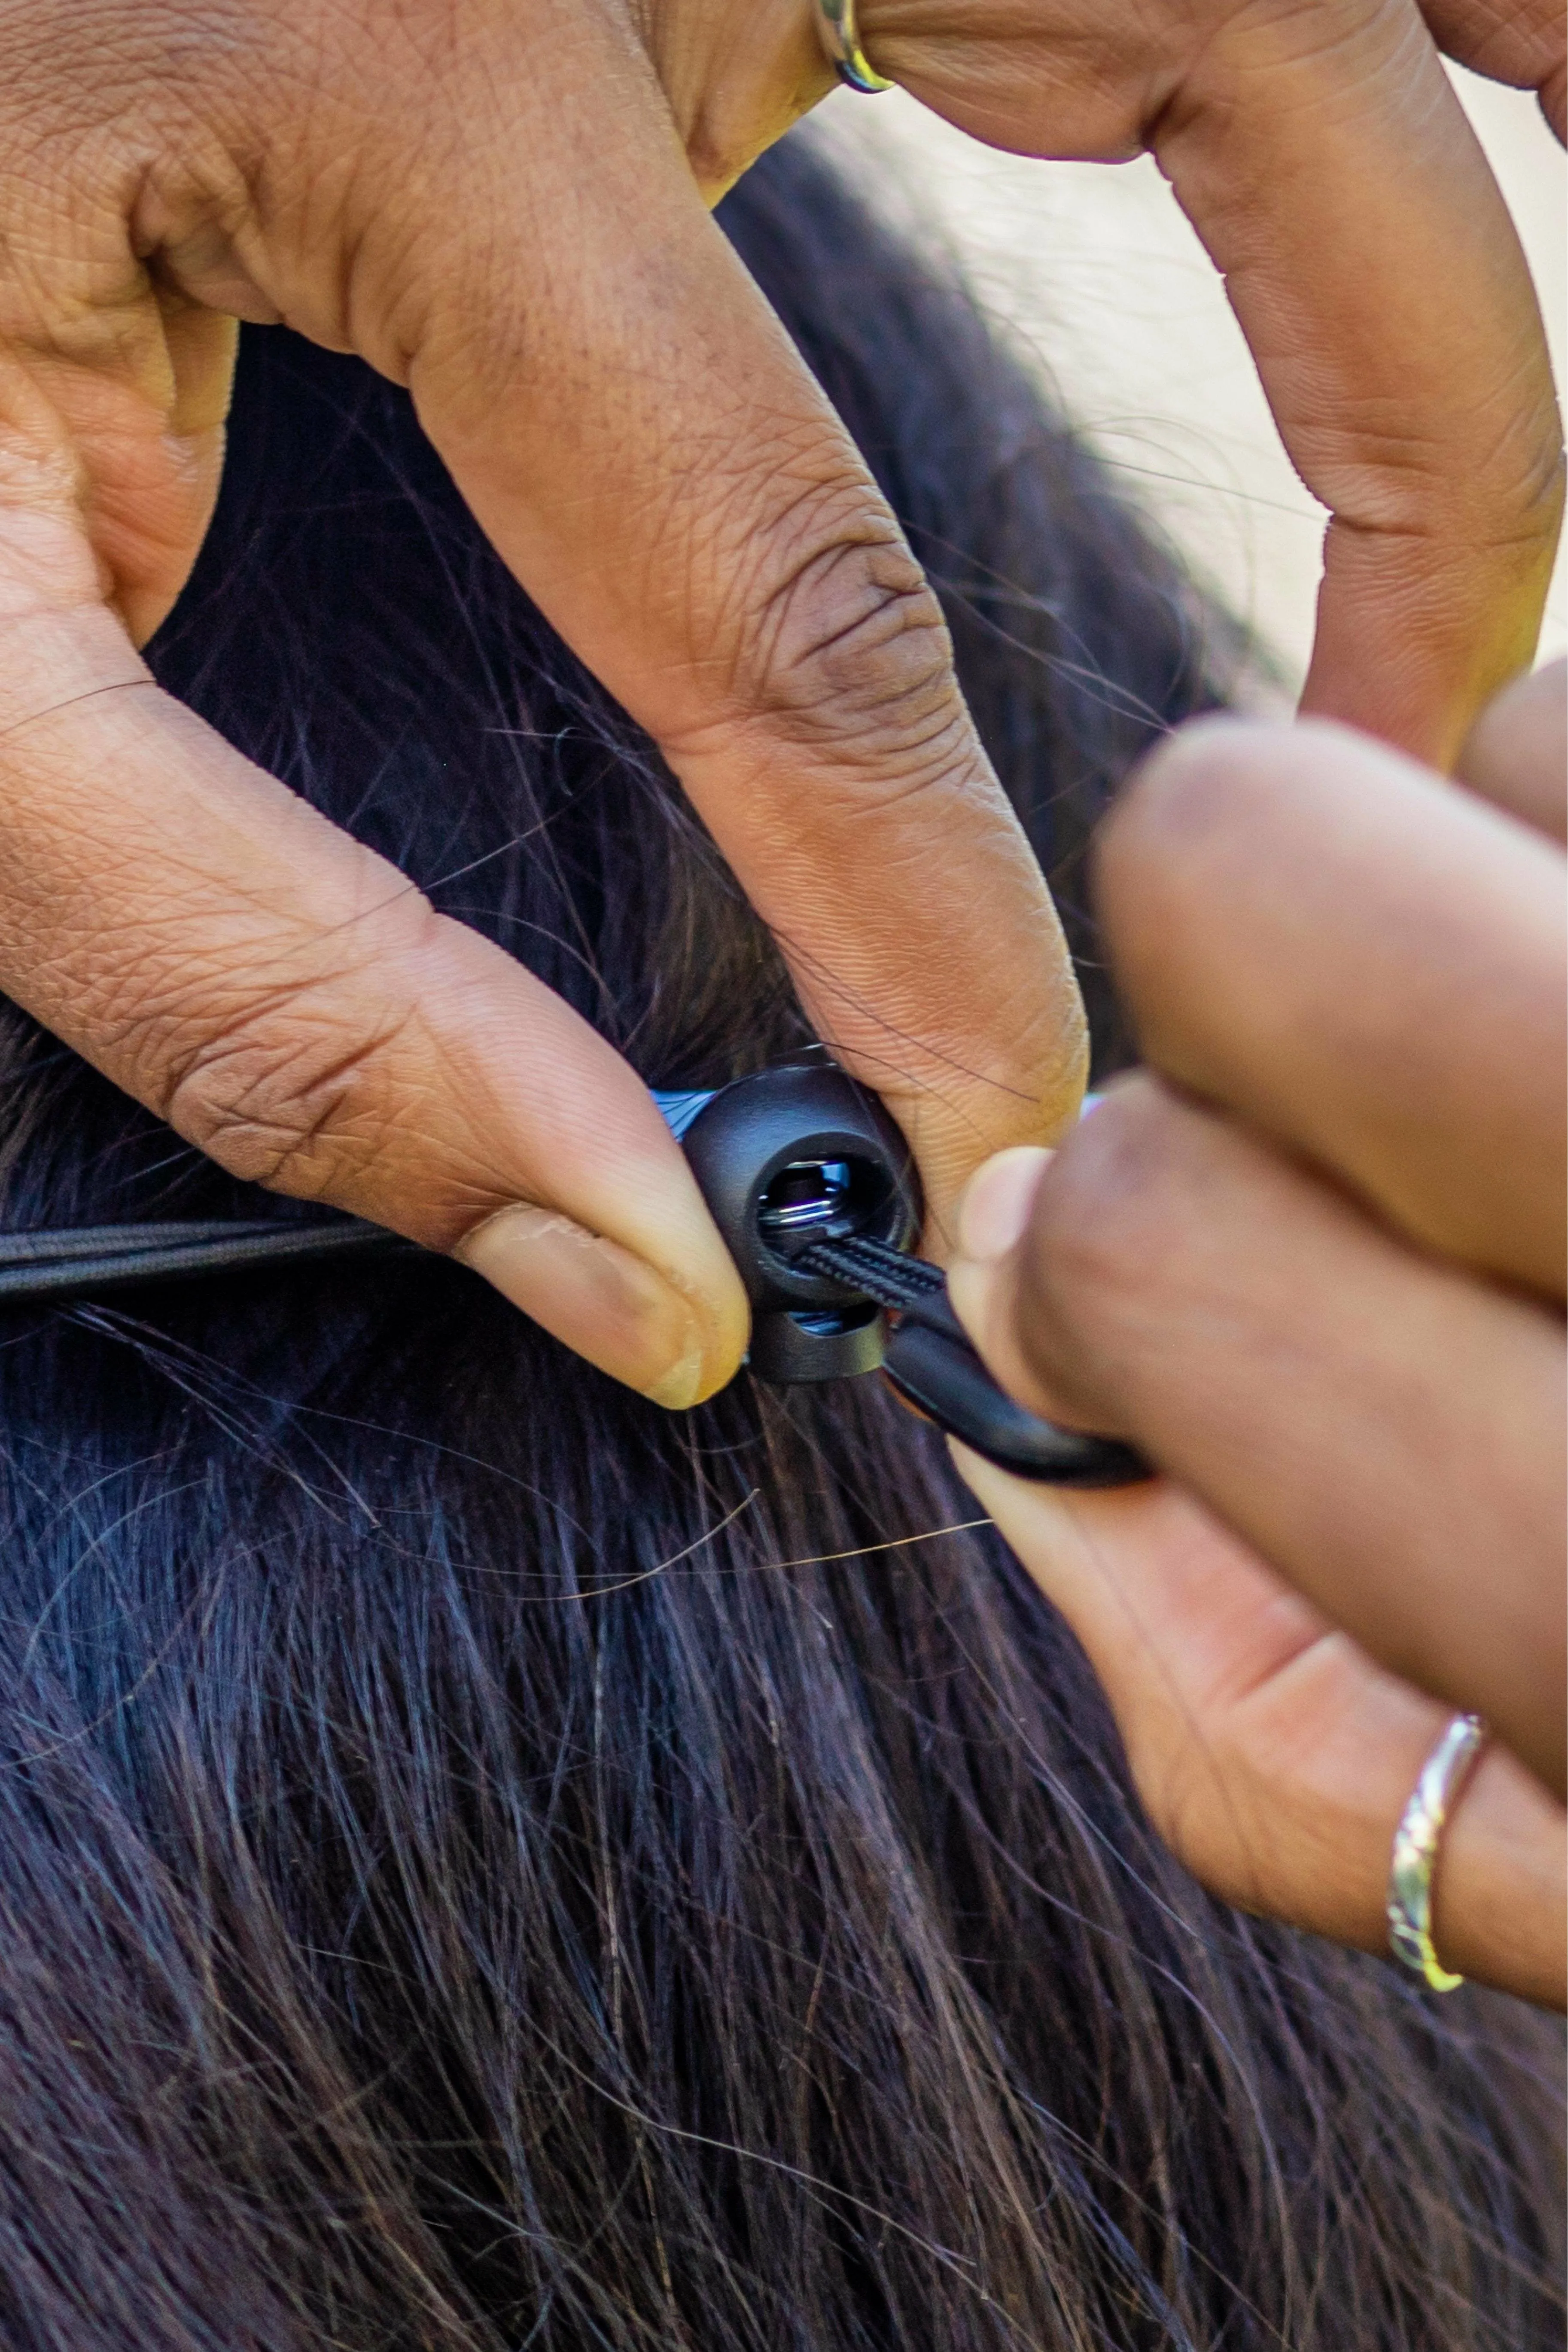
(1096, 267)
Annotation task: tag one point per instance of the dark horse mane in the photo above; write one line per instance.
(485, 1863)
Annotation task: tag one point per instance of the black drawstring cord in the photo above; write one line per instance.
(929, 1357)
(889, 1275)
(930, 1360)
(75, 1261)
(78, 1258)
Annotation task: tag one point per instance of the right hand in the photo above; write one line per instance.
(1313, 1263)
(502, 203)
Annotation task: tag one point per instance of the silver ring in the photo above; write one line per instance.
(1416, 1845)
(840, 36)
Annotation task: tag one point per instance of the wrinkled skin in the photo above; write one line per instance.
(1312, 1259)
(503, 203)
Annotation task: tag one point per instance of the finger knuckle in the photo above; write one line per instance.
(286, 1100)
(849, 652)
(1211, 820)
(1180, 808)
(288, 1066)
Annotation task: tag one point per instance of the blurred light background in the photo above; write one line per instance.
(1097, 269)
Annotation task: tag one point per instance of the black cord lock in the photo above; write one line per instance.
(812, 1187)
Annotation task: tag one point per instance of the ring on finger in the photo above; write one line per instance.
(840, 36)
(1416, 1842)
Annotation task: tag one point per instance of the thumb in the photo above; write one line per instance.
(290, 1003)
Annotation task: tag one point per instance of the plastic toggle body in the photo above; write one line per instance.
(812, 1187)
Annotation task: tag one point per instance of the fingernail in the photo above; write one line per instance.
(597, 1296)
(997, 1202)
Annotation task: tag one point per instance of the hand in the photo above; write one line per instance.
(1313, 1263)
(504, 207)
(1324, 159)
(1520, 42)
(494, 204)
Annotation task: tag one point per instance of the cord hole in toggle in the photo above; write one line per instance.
(812, 1200)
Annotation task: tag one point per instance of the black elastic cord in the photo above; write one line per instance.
(915, 1290)
(929, 1356)
(887, 1275)
(931, 1362)
(72, 1261)
(69, 1260)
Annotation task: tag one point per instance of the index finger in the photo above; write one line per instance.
(1326, 163)
(640, 440)
(1362, 961)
